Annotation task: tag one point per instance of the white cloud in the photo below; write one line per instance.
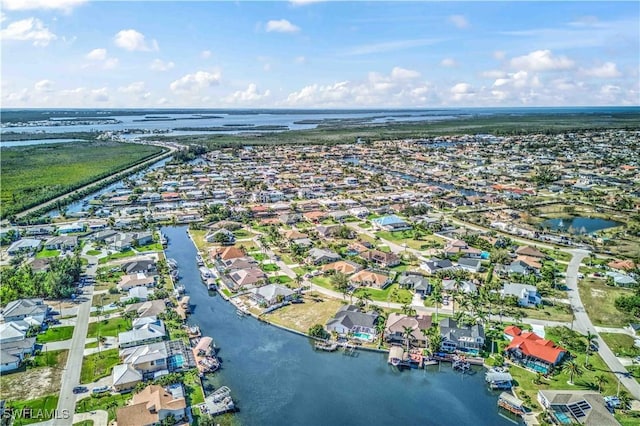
(205, 54)
(43, 86)
(19, 97)
(459, 21)
(65, 5)
(97, 55)
(133, 40)
(30, 29)
(499, 55)
(281, 26)
(462, 92)
(159, 65)
(99, 95)
(250, 95)
(194, 82)
(134, 88)
(606, 70)
(541, 60)
(398, 73)
(448, 62)
(493, 74)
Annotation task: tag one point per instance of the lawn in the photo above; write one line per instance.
(105, 298)
(197, 236)
(406, 237)
(93, 252)
(557, 312)
(193, 388)
(117, 255)
(61, 168)
(281, 279)
(323, 281)
(109, 403)
(56, 359)
(390, 294)
(55, 334)
(620, 344)
(270, 267)
(150, 247)
(302, 316)
(109, 327)
(243, 233)
(47, 253)
(98, 365)
(598, 300)
(84, 423)
(42, 409)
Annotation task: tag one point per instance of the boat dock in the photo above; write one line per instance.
(326, 346)
(218, 402)
(204, 354)
(512, 404)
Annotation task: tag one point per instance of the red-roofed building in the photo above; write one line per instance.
(532, 351)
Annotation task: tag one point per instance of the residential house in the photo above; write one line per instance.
(584, 407)
(463, 338)
(380, 258)
(145, 330)
(152, 405)
(61, 242)
(533, 351)
(529, 251)
(135, 280)
(223, 236)
(415, 281)
(390, 223)
(150, 308)
(470, 264)
(227, 253)
(349, 320)
(318, 256)
(14, 344)
(314, 216)
(271, 294)
(515, 267)
(345, 266)
(465, 286)
(526, 294)
(621, 279)
(71, 228)
(329, 231)
(370, 278)
(147, 266)
(459, 247)
(25, 245)
(432, 266)
(397, 323)
(33, 309)
(125, 377)
(247, 278)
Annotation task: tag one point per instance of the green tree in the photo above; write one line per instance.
(601, 380)
(318, 331)
(573, 369)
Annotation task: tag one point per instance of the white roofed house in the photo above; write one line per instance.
(25, 245)
(135, 280)
(20, 309)
(125, 377)
(526, 294)
(145, 330)
(271, 294)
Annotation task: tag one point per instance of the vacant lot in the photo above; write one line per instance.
(61, 169)
(42, 405)
(598, 299)
(98, 365)
(621, 344)
(55, 334)
(47, 374)
(304, 315)
(110, 327)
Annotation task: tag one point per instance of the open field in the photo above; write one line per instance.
(304, 315)
(46, 372)
(405, 237)
(43, 405)
(620, 344)
(598, 300)
(61, 168)
(98, 365)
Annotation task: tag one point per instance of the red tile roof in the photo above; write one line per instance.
(535, 346)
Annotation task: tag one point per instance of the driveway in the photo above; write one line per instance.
(99, 417)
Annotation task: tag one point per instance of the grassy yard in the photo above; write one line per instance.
(43, 405)
(304, 315)
(93, 252)
(620, 344)
(109, 403)
(109, 327)
(270, 267)
(55, 334)
(150, 247)
(193, 388)
(406, 237)
(393, 293)
(259, 256)
(598, 299)
(557, 312)
(45, 369)
(281, 279)
(105, 298)
(56, 359)
(47, 253)
(98, 365)
(117, 255)
(84, 423)
(197, 236)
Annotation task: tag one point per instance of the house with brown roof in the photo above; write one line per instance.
(395, 328)
(370, 279)
(152, 405)
(344, 266)
(248, 278)
(530, 252)
(314, 216)
(227, 253)
(380, 258)
(533, 351)
(454, 247)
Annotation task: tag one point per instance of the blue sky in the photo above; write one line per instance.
(313, 54)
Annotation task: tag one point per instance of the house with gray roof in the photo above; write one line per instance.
(125, 377)
(25, 308)
(434, 265)
(571, 406)
(415, 281)
(464, 338)
(145, 330)
(271, 294)
(349, 319)
(470, 264)
(526, 294)
(321, 256)
(25, 245)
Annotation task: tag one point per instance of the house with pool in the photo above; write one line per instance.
(532, 351)
(350, 321)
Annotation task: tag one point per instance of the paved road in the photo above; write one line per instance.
(71, 375)
(583, 324)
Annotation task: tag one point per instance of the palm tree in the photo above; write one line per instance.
(380, 327)
(435, 338)
(408, 310)
(298, 279)
(625, 399)
(101, 341)
(601, 380)
(573, 369)
(366, 297)
(590, 337)
(436, 297)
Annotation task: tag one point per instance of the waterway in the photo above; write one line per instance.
(277, 378)
(579, 225)
(29, 142)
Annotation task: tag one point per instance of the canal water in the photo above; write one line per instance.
(276, 377)
(579, 225)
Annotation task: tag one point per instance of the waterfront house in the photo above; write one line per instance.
(395, 328)
(33, 310)
(532, 351)
(319, 256)
(227, 253)
(526, 294)
(390, 223)
(415, 281)
(145, 330)
(349, 320)
(222, 236)
(247, 278)
(135, 280)
(584, 407)
(368, 278)
(125, 377)
(271, 294)
(345, 266)
(146, 266)
(463, 338)
(152, 405)
(149, 308)
(380, 258)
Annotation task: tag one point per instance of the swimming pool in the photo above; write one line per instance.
(363, 336)
(176, 362)
(562, 417)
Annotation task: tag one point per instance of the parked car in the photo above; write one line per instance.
(80, 389)
(99, 390)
